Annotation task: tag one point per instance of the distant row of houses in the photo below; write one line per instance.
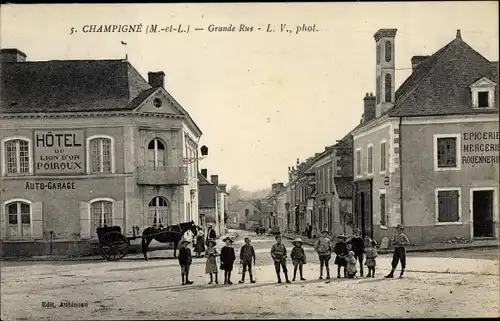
(425, 155)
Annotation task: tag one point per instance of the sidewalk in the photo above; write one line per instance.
(134, 251)
(431, 247)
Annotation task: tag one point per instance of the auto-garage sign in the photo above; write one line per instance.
(59, 152)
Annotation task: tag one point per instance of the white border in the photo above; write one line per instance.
(436, 207)
(458, 149)
(368, 173)
(495, 208)
(360, 150)
(113, 156)
(383, 172)
(30, 155)
(6, 218)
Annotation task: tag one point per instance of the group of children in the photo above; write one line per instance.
(347, 255)
(227, 257)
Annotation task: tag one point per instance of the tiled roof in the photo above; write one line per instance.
(70, 86)
(440, 84)
(202, 180)
(344, 186)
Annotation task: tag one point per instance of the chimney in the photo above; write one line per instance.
(370, 106)
(204, 173)
(223, 187)
(12, 55)
(214, 179)
(156, 79)
(416, 60)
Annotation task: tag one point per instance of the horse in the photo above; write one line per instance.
(169, 234)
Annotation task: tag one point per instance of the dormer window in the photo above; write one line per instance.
(483, 94)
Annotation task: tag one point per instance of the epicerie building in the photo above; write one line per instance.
(427, 154)
(88, 143)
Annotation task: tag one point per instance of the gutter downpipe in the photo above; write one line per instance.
(401, 170)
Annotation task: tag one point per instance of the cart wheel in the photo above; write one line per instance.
(114, 246)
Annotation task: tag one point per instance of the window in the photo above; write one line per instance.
(383, 157)
(247, 212)
(378, 53)
(158, 211)
(17, 156)
(388, 51)
(19, 219)
(378, 89)
(101, 214)
(370, 159)
(358, 162)
(388, 88)
(483, 99)
(156, 154)
(447, 151)
(382, 208)
(448, 206)
(100, 155)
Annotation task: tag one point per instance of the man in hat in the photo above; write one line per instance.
(211, 233)
(247, 254)
(323, 247)
(298, 257)
(358, 247)
(399, 241)
(185, 260)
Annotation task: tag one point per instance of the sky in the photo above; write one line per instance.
(262, 99)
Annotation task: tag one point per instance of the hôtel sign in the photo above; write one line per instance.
(59, 152)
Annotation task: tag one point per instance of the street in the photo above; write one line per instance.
(444, 284)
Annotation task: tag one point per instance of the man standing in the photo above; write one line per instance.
(211, 233)
(358, 247)
(399, 241)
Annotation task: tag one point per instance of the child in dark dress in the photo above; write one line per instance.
(341, 252)
(227, 258)
(185, 260)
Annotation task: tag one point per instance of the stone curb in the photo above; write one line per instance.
(93, 258)
(410, 250)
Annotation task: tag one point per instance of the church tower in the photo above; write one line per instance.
(385, 94)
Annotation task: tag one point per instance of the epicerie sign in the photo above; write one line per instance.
(59, 152)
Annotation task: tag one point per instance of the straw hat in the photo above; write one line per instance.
(227, 238)
(211, 241)
(297, 240)
(324, 231)
(400, 227)
(342, 236)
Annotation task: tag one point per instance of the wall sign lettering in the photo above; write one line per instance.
(59, 152)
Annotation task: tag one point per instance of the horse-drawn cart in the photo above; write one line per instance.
(113, 245)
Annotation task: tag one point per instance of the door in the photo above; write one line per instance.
(482, 211)
(364, 208)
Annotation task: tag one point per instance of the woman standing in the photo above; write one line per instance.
(200, 242)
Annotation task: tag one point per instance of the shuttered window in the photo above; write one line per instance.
(388, 51)
(370, 159)
(383, 156)
(358, 163)
(383, 211)
(448, 206)
(447, 152)
(388, 88)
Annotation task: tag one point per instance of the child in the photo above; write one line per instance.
(247, 253)
(324, 249)
(227, 258)
(211, 265)
(399, 241)
(371, 254)
(341, 252)
(351, 265)
(185, 260)
(298, 258)
(358, 247)
(278, 253)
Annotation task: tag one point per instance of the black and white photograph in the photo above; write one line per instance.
(301, 160)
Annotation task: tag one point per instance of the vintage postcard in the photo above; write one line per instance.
(249, 160)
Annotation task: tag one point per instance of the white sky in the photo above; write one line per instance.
(261, 99)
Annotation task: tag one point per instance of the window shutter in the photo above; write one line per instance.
(3, 226)
(36, 220)
(118, 214)
(84, 220)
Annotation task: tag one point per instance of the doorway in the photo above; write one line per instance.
(482, 213)
(363, 209)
